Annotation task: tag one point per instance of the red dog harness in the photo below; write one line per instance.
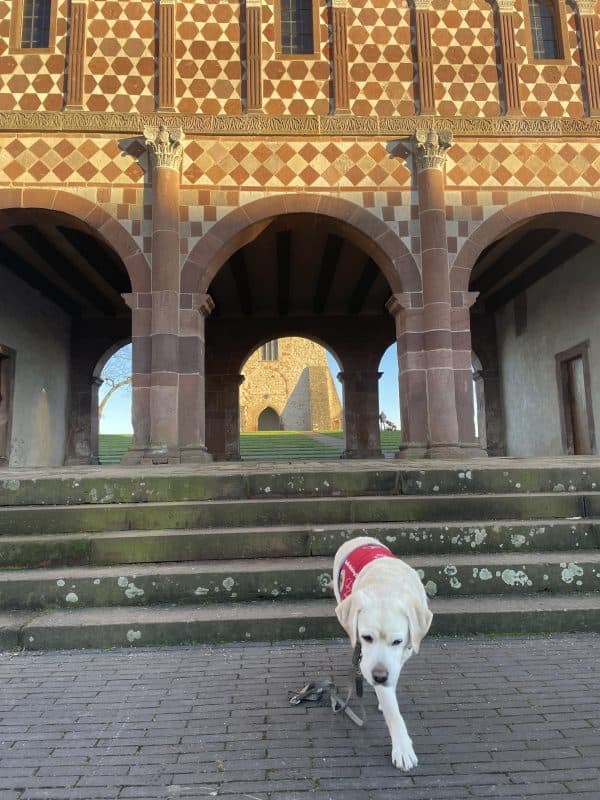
(357, 561)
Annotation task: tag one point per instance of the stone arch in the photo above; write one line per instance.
(290, 332)
(359, 225)
(513, 216)
(108, 228)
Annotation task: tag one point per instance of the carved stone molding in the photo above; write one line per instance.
(586, 6)
(505, 6)
(258, 124)
(165, 145)
(430, 147)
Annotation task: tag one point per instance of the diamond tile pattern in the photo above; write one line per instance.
(294, 164)
(524, 164)
(464, 56)
(380, 58)
(119, 74)
(208, 71)
(550, 89)
(32, 81)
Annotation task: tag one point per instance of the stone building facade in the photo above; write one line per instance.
(199, 178)
(288, 386)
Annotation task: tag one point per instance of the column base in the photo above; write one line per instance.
(454, 451)
(369, 453)
(166, 454)
(408, 451)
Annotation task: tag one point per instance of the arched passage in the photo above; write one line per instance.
(534, 269)
(268, 420)
(64, 274)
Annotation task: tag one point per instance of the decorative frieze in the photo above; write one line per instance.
(430, 148)
(165, 145)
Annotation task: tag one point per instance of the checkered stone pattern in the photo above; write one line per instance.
(296, 85)
(42, 160)
(300, 164)
(463, 46)
(528, 164)
(32, 81)
(549, 89)
(120, 56)
(207, 52)
(380, 58)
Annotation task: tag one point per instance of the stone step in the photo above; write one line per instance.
(137, 547)
(238, 481)
(35, 520)
(246, 580)
(276, 621)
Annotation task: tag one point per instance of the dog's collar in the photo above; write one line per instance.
(357, 561)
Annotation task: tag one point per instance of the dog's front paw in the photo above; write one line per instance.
(404, 756)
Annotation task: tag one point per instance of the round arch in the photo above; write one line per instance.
(245, 223)
(94, 217)
(515, 215)
(287, 334)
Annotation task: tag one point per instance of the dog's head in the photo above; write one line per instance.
(390, 630)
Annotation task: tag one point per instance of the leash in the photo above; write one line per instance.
(315, 691)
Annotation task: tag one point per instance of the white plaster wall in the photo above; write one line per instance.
(563, 310)
(39, 333)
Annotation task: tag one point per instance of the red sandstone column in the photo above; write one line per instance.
(430, 155)
(253, 55)
(424, 57)
(339, 27)
(361, 412)
(76, 56)
(140, 304)
(586, 10)
(412, 376)
(510, 67)
(223, 416)
(166, 55)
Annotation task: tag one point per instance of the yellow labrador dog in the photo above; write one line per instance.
(383, 605)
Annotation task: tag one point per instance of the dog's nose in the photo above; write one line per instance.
(380, 675)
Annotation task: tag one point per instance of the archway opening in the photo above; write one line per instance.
(268, 420)
(61, 307)
(305, 276)
(534, 326)
(114, 404)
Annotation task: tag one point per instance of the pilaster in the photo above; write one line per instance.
(586, 11)
(510, 67)
(424, 57)
(339, 14)
(166, 55)
(253, 55)
(76, 53)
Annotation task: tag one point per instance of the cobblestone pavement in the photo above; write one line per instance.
(508, 717)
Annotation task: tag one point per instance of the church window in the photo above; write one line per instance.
(270, 351)
(32, 24)
(297, 26)
(545, 29)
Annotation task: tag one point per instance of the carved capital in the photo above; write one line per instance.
(422, 5)
(585, 6)
(339, 3)
(429, 148)
(165, 146)
(253, 3)
(505, 6)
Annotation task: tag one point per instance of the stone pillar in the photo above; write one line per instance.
(166, 55)
(586, 11)
(361, 412)
(223, 416)
(429, 148)
(76, 53)
(412, 376)
(140, 304)
(508, 55)
(253, 55)
(424, 57)
(341, 99)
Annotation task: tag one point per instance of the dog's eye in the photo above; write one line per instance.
(368, 639)
(396, 642)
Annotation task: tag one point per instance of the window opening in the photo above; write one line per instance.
(296, 27)
(270, 351)
(35, 24)
(544, 29)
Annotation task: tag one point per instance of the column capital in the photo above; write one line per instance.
(505, 6)
(253, 3)
(167, 2)
(585, 7)
(339, 3)
(429, 148)
(165, 145)
(422, 5)
(398, 302)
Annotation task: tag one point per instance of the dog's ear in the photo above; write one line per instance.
(419, 620)
(347, 613)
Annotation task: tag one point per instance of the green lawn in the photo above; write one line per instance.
(262, 446)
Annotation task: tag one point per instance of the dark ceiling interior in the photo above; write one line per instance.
(299, 266)
(515, 262)
(62, 259)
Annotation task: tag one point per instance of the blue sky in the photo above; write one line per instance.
(117, 414)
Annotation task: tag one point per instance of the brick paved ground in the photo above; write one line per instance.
(509, 718)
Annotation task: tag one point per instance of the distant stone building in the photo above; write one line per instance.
(288, 386)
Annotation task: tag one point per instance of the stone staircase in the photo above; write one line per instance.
(100, 558)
